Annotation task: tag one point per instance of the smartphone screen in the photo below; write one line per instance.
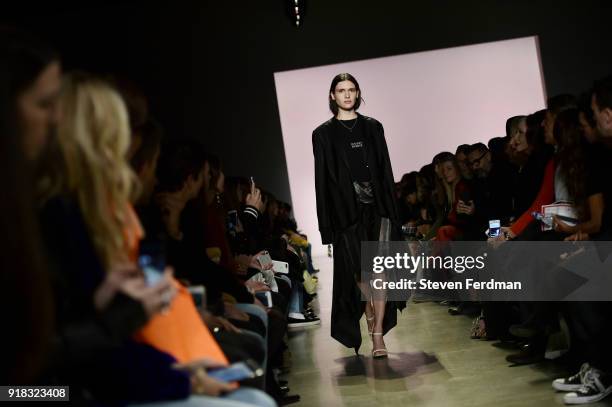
(494, 228)
(152, 261)
(269, 299)
(235, 373)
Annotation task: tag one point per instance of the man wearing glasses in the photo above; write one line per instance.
(492, 187)
(479, 160)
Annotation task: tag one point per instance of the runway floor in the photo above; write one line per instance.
(432, 362)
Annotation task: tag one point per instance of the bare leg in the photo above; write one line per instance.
(375, 314)
(379, 313)
(369, 308)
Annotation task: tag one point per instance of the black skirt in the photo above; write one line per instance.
(347, 304)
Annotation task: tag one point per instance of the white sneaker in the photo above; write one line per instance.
(571, 383)
(593, 389)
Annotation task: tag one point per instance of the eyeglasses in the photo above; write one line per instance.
(473, 162)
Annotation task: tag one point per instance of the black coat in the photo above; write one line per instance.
(341, 220)
(337, 206)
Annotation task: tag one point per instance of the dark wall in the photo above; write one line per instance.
(208, 66)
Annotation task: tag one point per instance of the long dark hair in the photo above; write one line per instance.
(333, 106)
(571, 156)
(26, 290)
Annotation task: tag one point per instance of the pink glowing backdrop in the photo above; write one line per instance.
(427, 102)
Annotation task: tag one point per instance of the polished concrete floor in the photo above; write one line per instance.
(432, 362)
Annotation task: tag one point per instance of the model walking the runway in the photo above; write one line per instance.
(355, 202)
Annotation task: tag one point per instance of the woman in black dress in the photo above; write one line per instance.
(355, 202)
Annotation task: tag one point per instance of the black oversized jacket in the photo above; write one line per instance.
(337, 206)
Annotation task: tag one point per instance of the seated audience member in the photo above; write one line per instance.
(29, 82)
(535, 172)
(408, 199)
(577, 177)
(594, 382)
(461, 156)
(425, 182)
(459, 200)
(439, 196)
(556, 105)
(492, 196)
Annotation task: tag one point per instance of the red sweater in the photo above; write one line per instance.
(545, 196)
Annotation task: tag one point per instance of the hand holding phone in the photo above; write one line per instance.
(237, 372)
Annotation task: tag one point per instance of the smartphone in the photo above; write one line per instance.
(232, 222)
(152, 261)
(409, 230)
(269, 299)
(237, 372)
(494, 227)
(265, 297)
(280, 267)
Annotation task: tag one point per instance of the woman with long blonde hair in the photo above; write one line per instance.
(90, 165)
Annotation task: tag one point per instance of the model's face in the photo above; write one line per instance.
(449, 172)
(603, 117)
(345, 94)
(37, 107)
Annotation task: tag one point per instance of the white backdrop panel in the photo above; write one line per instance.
(428, 102)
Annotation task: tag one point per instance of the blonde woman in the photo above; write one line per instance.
(90, 166)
